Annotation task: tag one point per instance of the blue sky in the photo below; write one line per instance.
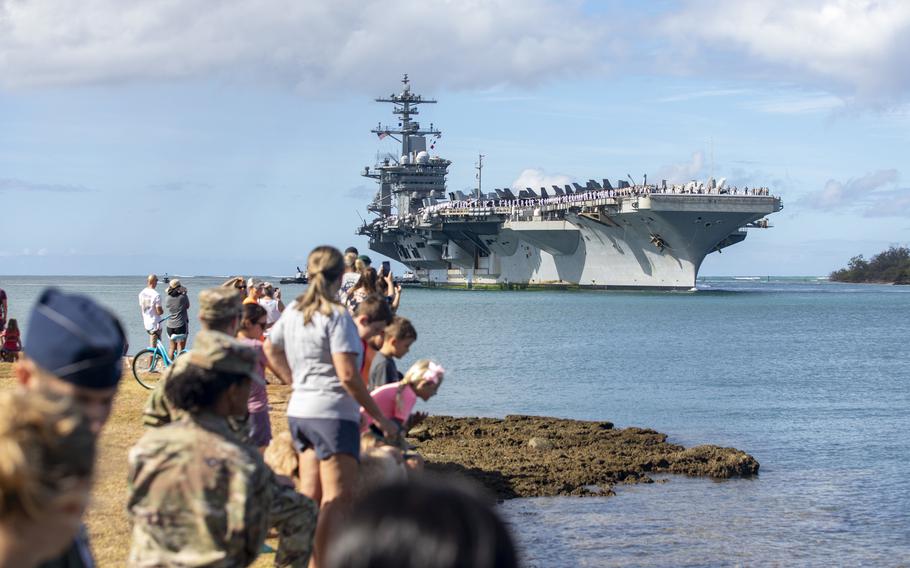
(199, 138)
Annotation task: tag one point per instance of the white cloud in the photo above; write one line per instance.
(681, 173)
(12, 184)
(792, 104)
(179, 186)
(875, 194)
(860, 48)
(709, 93)
(536, 178)
(312, 45)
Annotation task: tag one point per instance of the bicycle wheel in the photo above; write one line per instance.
(148, 367)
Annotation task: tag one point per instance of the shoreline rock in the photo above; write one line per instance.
(533, 456)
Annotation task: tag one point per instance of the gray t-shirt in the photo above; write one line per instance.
(177, 307)
(382, 371)
(317, 392)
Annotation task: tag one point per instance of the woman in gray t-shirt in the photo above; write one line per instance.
(316, 347)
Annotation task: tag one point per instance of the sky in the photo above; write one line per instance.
(201, 138)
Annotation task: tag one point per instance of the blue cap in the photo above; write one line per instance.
(74, 338)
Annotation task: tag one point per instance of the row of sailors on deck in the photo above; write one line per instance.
(586, 196)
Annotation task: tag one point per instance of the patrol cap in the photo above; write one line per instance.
(219, 303)
(75, 339)
(175, 283)
(221, 353)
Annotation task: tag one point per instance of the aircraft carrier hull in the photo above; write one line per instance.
(651, 242)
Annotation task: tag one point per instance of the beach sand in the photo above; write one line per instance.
(519, 456)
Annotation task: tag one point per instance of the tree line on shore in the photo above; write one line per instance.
(890, 266)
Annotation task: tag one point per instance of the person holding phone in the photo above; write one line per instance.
(386, 286)
(178, 305)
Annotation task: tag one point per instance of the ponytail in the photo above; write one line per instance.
(324, 266)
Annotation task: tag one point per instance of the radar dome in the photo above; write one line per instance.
(405, 160)
(423, 157)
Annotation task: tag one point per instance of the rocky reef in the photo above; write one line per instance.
(532, 456)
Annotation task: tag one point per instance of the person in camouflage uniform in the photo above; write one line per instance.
(199, 496)
(219, 310)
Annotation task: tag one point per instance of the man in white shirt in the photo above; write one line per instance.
(150, 306)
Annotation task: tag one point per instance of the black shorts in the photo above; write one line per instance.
(177, 330)
(328, 436)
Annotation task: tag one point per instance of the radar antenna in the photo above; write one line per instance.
(405, 107)
(413, 179)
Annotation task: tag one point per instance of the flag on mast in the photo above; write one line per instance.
(382, 135)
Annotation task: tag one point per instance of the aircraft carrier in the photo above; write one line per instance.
(598, 235)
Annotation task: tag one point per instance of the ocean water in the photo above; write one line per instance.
(810, 377)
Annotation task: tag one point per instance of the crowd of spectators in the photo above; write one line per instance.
(208, 480)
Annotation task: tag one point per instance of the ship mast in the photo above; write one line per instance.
(479, 168)
(415, 179)
(405, 107)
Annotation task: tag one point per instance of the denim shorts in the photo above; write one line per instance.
(328, 436)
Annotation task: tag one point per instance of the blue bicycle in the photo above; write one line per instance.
(149, 363)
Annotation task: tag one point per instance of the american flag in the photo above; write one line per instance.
(382, 135)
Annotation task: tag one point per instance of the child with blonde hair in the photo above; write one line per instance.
(397, 400)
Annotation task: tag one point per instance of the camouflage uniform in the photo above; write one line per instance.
(159, 411)
(200, 496)
(214, 304)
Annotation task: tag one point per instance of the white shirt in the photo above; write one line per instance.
(348, 280)
(271, 310)
(149, 304)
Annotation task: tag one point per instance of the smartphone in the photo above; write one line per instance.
(386, 267)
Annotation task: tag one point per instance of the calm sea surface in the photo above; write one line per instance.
(812, 378)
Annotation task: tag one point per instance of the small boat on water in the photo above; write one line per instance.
(408, 280)
(300, 278)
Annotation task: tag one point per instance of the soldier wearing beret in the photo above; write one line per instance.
(73, 348)
(199, 496)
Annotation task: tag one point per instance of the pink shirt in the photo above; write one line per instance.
(385, 397)
(259, 396)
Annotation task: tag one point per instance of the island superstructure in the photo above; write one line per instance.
(596, 235)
